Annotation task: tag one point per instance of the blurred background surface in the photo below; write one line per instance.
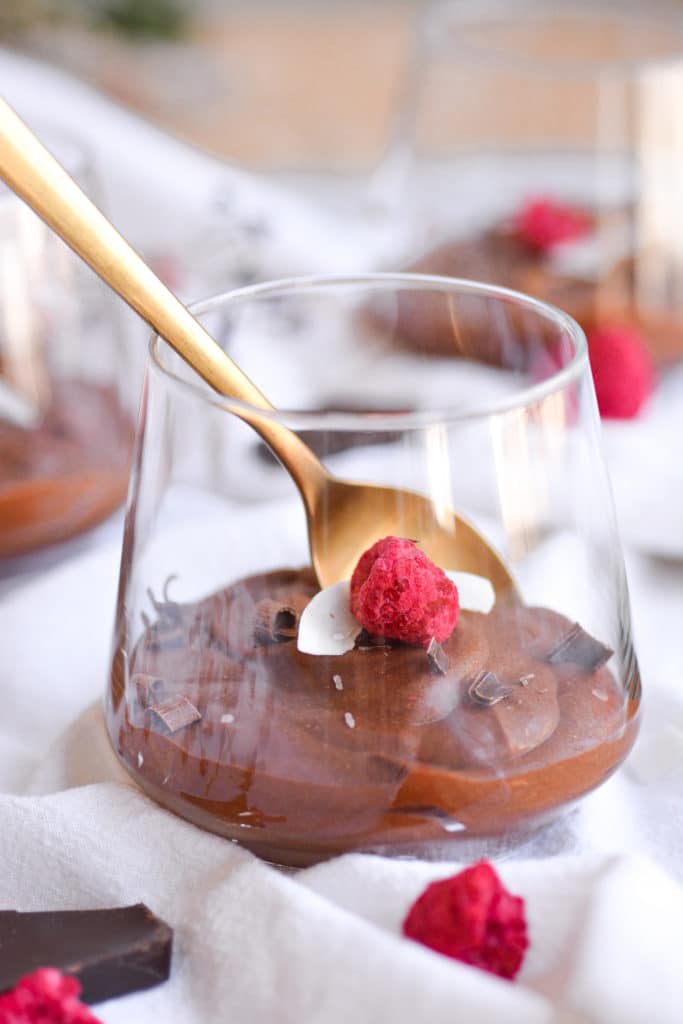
(267, 84)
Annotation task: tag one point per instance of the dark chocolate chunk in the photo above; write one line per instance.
(111, 952)
(580, 648)
(486, 689)
(438, 659)
(175, 713)
(275, 623)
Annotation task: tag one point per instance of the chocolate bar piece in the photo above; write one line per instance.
(111, 952)
(580, 648)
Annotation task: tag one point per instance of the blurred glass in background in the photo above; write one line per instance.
(540, 147)
(66, 389)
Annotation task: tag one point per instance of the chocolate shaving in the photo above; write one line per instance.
(168, 611)
(148, 689)
(486, 689)
(164, 592)
(166, 639)
(275, 623)
(580, 648)
(175, 713)
(110, 952)
(438, 659)
(365, 641)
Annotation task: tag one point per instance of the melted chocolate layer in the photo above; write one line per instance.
(303, 756)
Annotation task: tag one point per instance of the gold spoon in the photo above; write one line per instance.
(344, 518)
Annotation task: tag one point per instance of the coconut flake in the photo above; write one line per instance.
(326, 626)
(475, 593)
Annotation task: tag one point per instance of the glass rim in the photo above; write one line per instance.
(308, 419)
(460, 12)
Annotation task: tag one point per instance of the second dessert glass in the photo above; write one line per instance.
(66, 429)
(217, 705)
(539, 148)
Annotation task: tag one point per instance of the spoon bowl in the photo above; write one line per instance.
(344, 517)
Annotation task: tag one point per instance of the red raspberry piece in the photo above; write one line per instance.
(473, 918)
(542, 223)
(398, 593)
(45, 997)
(623, 370)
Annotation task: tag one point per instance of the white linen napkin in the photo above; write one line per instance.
(259, 945)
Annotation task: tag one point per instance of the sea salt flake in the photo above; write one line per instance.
(227, 719)
(350, 720)
(337, 680)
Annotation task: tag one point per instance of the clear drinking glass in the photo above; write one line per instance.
(66, 429)
(368, 744)
(539, 147)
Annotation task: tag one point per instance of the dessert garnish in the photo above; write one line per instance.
(149, 689)
(438, 659)
(473, 918)
(275, 623)
(44, 996)
(580, 648)
(397, 592)
(543, 223)
(365, 642)
(109, 953)
(175, 713)
(486, 689)
(328, 627)
(623, 370)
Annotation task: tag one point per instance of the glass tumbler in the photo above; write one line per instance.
(258, 706)
(539, 147)
(66, 429)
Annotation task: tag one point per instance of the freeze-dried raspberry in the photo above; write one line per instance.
(398, 593)
(623, 370)
(45, 997)
(542, 223)
(472, 918)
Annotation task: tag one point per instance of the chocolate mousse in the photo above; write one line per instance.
(68, 472)
(429, 322)
(219, 716)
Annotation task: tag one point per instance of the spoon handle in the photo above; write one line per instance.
(34, 174)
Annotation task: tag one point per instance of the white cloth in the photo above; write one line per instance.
(261, 946)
